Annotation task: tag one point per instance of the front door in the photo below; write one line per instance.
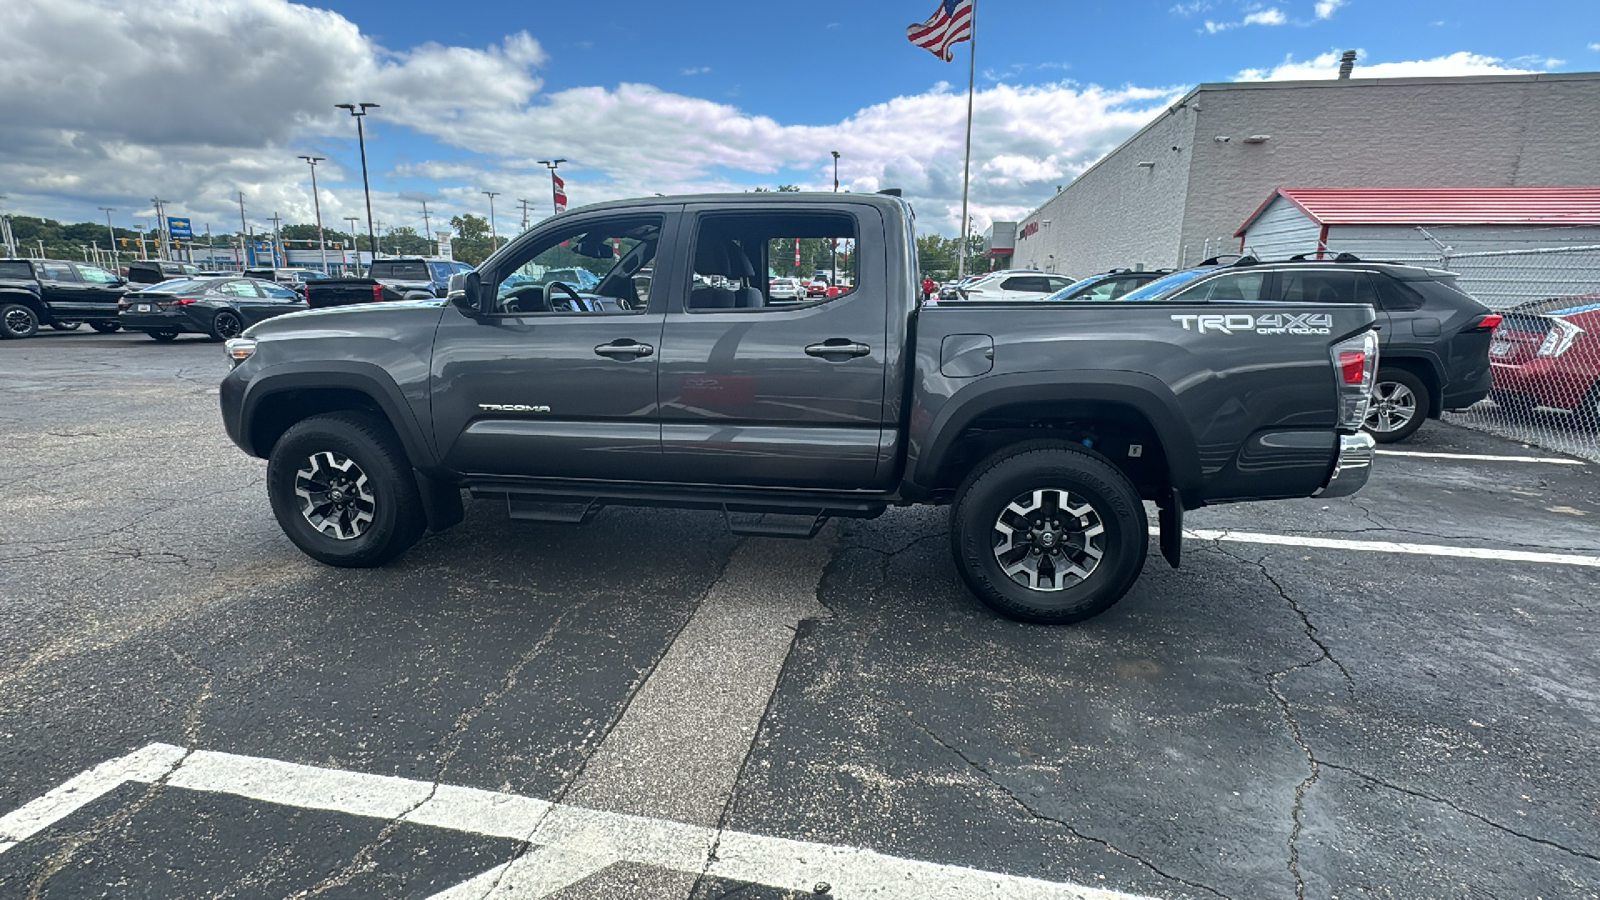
(790, 394)
(555, 380)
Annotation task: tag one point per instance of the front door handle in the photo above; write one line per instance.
(624, 349)
(838, 348)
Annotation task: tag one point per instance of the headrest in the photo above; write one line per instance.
(711, 258)
(738, 264)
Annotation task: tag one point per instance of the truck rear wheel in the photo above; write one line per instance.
(343, 491)
(1045, 533)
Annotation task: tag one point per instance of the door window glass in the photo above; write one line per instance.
(57, 272)
(586, 268)
(1320, 286)
(1234, 287)
(238, 288)
(95, 275)
(276, 292)
(734, 255)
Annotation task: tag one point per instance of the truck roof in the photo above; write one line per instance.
(763, 198)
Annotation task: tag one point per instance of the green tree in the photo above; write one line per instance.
(472, 243)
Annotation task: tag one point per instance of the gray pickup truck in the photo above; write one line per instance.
(1043, 426)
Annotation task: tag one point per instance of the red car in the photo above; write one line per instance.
(1547, 353)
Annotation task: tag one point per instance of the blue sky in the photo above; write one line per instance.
(648, 96)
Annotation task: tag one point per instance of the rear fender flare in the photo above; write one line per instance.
(1143, 393)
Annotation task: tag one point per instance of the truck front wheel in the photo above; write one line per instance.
(1045, 533)
(343, 491)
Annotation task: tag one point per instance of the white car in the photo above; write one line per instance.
(1003, 287)
(786, 289)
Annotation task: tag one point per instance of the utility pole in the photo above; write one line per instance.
(361, 137)
(162, 237)
(379, 249)
(210, 255)
(243, 256)
(493, 233)
(277, 242)
(108, 210)
(5, 232)
(427, 227)
(354, 244)
(140, 229)
(524, 214)
(316, 202)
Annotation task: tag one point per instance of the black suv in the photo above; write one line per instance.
(57, 293)
(1434, 350)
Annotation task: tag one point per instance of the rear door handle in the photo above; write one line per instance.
(624, 349)
(838, 347)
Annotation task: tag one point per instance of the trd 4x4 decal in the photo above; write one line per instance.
(1271, 323)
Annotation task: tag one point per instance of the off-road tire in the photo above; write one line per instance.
(367, 441)
(1423, 401)
(17, 321)
(1065, 469)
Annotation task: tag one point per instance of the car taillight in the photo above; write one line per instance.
(1356, 360)
(1559, 338)
(1485, 323)
(377, 293)
(180, 301)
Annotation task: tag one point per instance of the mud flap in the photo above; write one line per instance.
(441, 502)
(1171, 521)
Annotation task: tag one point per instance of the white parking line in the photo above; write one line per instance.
(1287, 540)
(1552, 460)
(571, 842)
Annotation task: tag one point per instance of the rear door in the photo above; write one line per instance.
(790, 394)
(61, 288)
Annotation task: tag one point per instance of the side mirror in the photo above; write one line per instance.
(466, 291)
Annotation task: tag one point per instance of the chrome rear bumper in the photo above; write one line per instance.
(1351, 469)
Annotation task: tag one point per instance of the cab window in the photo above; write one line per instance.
(586, 268)
(737, 256)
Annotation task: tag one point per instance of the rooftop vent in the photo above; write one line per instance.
(1347, 64)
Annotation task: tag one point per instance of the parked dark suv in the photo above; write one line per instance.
(1434, 350)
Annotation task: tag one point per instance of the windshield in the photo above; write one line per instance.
(1163, 285)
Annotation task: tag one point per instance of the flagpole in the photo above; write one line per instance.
(966, 165)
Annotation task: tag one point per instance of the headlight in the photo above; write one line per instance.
(239, 349)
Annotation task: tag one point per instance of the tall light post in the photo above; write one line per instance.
(833, 243)
(355, 246)
(493, 233)
(108, 210)
(316, 202)
(162, 235)
(359, 112)
(557, 201)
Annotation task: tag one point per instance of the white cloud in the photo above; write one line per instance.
(1269, 16)
(1190, 8)
(1595, 46)
(695, 70)
(1327, 66)
(1326, 8)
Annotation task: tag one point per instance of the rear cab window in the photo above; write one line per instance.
(16, 270)
(399, 271)
(733, 254)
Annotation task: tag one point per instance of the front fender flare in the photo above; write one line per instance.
(363, 377)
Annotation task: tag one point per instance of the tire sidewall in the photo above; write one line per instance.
(105, 327)
(1418, 390)
(219, 318)
(6, 313)
(1085, 475)
(395, 503)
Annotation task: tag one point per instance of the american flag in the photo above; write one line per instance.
(559, 187)
(950, 24)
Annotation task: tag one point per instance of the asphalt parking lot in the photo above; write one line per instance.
(1395, 695)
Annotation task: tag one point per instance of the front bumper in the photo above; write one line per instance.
(1352, 467)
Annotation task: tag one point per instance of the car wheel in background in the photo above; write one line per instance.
(65, 326)
(342, 490)
(105, 327)
(17, 321)
(226, 324)
(164, 336)
(1399, 406)
(1045, 532)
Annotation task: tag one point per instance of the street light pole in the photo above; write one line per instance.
(833, 243)
(244, 255)
(493, 232)
(162, 237)
(835, 170)
(316, 201)
(552, 165)
(361, 137)
(357, 247)
(108, 210)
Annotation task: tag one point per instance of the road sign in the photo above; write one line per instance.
(179, 228)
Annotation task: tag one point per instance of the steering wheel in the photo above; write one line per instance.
(576, 305)
(526, 299)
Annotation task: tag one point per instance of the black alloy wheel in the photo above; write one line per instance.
(226, 324)
(164, 336)
(342, 490)
(1047, 532)
(105, 327)
(18, 321)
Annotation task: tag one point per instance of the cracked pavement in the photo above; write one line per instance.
(1268, 721)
